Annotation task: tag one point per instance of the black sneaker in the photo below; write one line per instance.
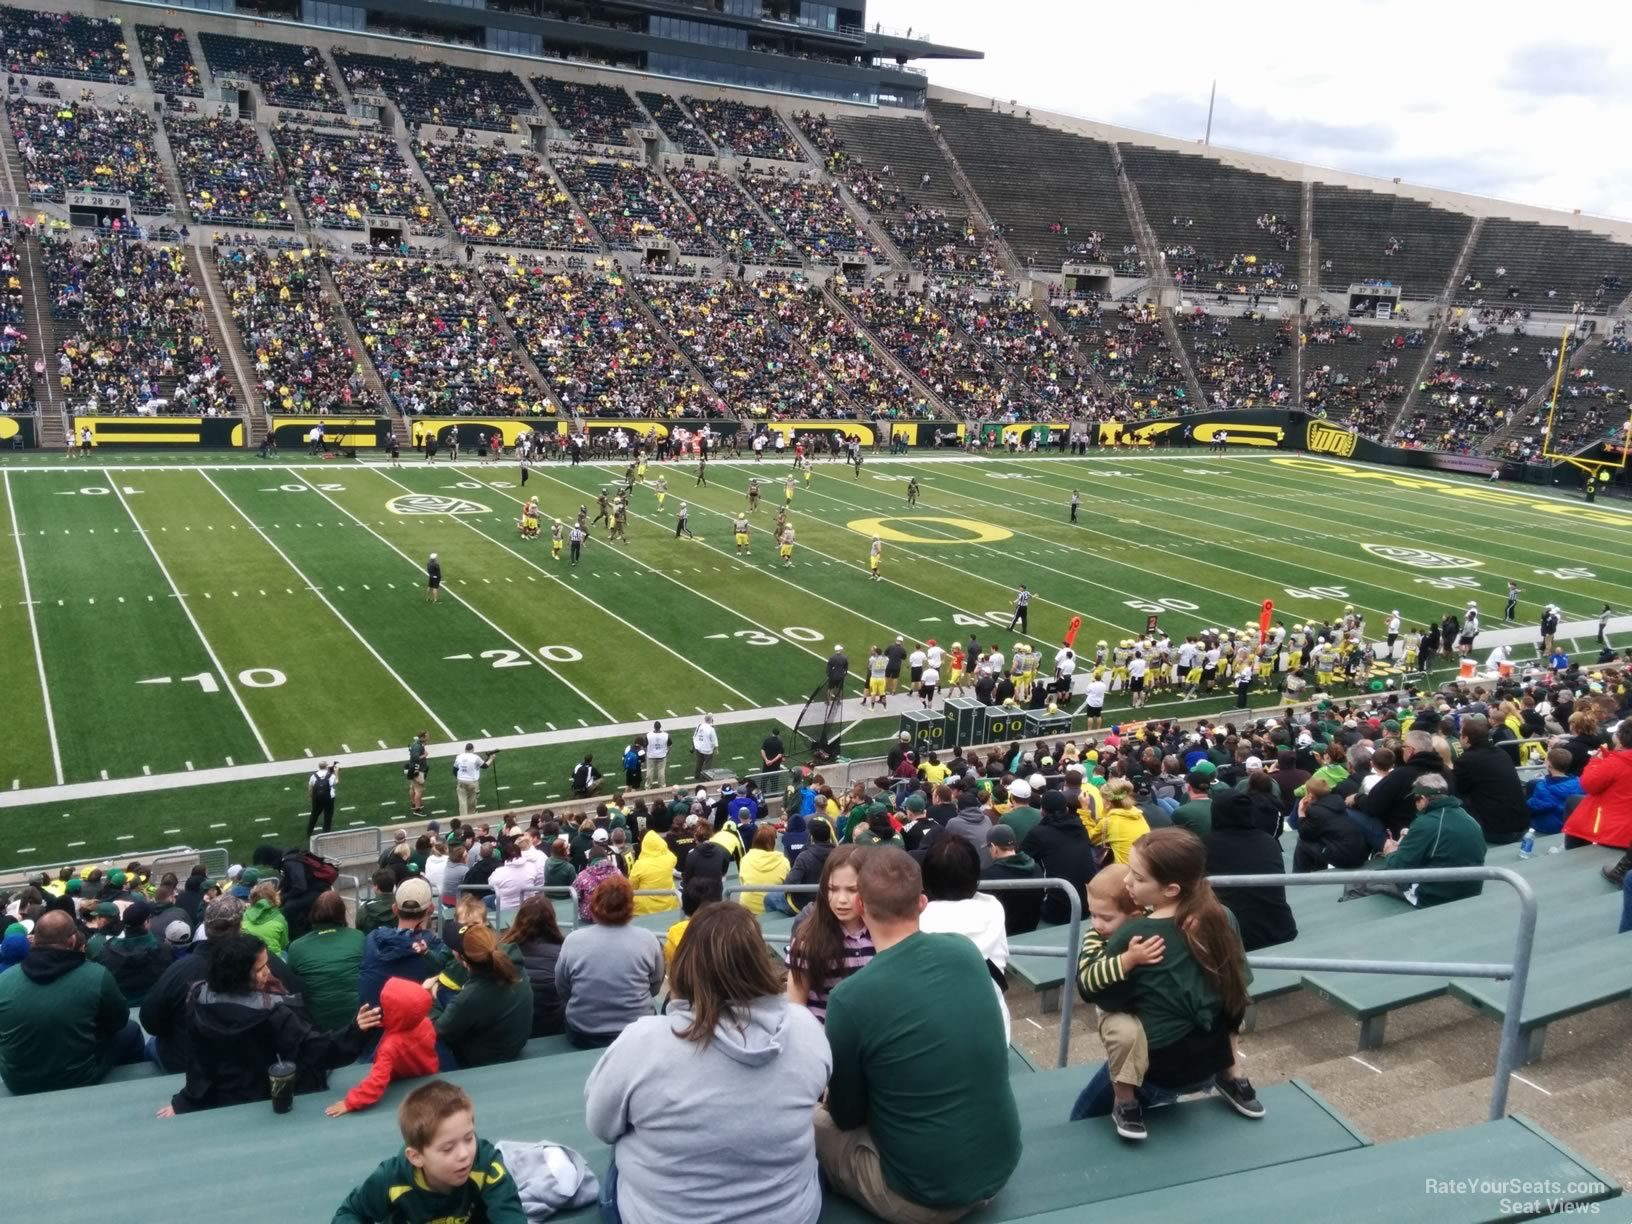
(1129, 1120)
(1239, 1093)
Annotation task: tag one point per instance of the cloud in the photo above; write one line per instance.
(1558, 69)
(1245, 126)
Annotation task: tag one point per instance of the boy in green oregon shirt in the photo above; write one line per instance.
(444, 1172)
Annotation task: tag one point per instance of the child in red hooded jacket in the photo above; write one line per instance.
(407, 1050)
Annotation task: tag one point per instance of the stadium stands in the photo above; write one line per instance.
(499, 195)
(1470, 390)
(810, 211)
(1592, 402)
(674, 123)
(918, 335)
(226, 173)
(168, 58)
(1048, 379)
(288, 74)
(731, 331)
(134, 336)
(628, 203)
(1367, 235)
(342, 178)
(428, 330)
(1222, 229)
(586, 111)
(730, 219)
(745, 129)
(1241, 362)
(1358, 376)
(1131, 349)
(64, 45)
(1521, 263)
(1055, 194)
(16, 378)
(595, 346)
(291, 332)
(72, 146)
(450, 95)
(849, 358)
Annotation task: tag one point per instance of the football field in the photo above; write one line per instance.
(184, 638)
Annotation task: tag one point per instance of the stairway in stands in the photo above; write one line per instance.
(43, 343)
(873, 226)
(880, 351)
(1443, 305)
(227, 343)
(371, 376)
(1517, 423)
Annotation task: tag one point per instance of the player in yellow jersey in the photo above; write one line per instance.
(808, 466)
(1266, 662)
(787, 548)
(660, 486)
(876, 663)
(640, 468)
(557, 533)
(787, 491)
(740, 530)
(875, 554)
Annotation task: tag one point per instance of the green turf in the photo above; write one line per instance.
(341, 653)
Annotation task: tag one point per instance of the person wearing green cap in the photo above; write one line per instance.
(1196, 813)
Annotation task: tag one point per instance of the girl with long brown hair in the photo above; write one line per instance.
(537, 935)
(491, 1017)
(672, 1084)
(1191, 999)
(832, 943)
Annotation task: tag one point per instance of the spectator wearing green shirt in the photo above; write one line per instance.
(920, 1123)
(1196, 812)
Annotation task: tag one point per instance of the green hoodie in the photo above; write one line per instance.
(1442, 835)
(377, 912)
(397, 1192)
(265, 921)
(59, 1014)
(327, 959)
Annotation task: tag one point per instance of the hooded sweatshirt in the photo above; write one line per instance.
(662, 1102)
(265, 921)
(58, 1014)
(13, 950)
(1022, 907)
(388, 952)
(1238, 845)
(761, 867)
(654, 868)
(1119, 828)
(407, 1049)
(396, 1191)
(1061, 847)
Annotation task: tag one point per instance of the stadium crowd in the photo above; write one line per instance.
(503, 196)
(341, 179)
(226, 173)
(448, 95)
(73, 146)
(590, 112)
(289, 75)
(928, 344)
(812, 214)
(64, 45)
(674, 123)
(744, 129)
(627, 203)
(168, 57)
(730, 220)
(16, 377)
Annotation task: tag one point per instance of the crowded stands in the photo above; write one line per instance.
(1352, 374)
(341, 179)
(744, 129)
(629, 205)
(499, 195)
(291, 332)
(226, 173)
(1241, 362)
(674, 123)
(1468, 393)
(599, 352)
(16, 379)
(962, 375)
(134, 334)
(288, 74)
(448, 95)
(730, 219)
(168, 58)
(427, 329)
(602, 114)
(64, 45)
(812, 214)
(847, 356)
(1054, 380)
(73, 146)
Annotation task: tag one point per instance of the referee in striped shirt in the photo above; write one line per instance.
(1022, 601)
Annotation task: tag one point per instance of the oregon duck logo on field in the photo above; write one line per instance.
(432, 503)
(978, 533)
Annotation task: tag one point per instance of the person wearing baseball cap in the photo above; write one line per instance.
(1022, 907)
(408, 948)
(1023, 815)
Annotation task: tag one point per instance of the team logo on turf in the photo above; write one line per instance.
(1420, 558)
(432, 503)
(1327, 440)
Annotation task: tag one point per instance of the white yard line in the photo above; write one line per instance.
(34, 631)
(324, 599)
(226, 678)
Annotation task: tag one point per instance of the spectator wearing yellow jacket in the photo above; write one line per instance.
(653, 868)
(1122, 823)
(763, 864)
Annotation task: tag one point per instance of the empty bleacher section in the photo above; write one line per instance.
(1221, 229)
(732, 332)
(168, 58)
(730, 219)
(504, 196)
(288, 74)
(1358, 375)
(428, 330)
(585, 111)
(291, 331)
(848, 357)
(450, 95)
(629, 204)
(16, 379)
(674, 123)
(340, 179)
(1054, 194)
(1048, 378)
(72, 146)
(599, 352)
(895, 168)
(1521, 263)
(1477, 379)
(915, 331)
(1369, 235)
(64, 45)
(134, 335)
(226, 173)
(745, 129)
(1240, 361)
(812, 214)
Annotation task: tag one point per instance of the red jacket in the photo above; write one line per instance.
(1604, 816)
(407, 1049)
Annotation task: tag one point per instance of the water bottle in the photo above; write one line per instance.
(1527, 844)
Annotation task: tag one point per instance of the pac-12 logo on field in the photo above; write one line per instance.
(434, 503)
(1421, 558)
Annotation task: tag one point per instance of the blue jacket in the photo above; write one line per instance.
(1547, 800)
(389, 953)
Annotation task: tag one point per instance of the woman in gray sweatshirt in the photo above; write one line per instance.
(672, 1084)
(609, 972)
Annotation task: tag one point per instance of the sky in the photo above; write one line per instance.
(1492, 99)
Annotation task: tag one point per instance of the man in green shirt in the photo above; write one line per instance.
(1443, 834)
(1196, 813)
(1022, 817)
(920, 1123)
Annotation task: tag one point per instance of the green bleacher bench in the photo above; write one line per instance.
(1408, 1180)
(1562, 983)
